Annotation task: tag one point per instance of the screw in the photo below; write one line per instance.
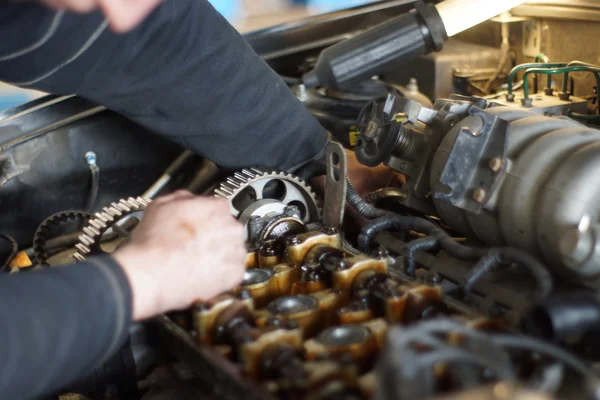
(496, 164)
(479, 195)
(91, 158)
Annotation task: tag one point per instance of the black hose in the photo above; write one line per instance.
(318, 168)
(414, 247)
(500, 256)
(563, 316)
(421, 225)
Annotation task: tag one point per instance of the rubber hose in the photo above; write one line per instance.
(563, 316)
(499, 256)
(414, 247)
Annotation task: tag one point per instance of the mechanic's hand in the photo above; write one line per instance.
(123, 15)
(185, 248)
(366, 179)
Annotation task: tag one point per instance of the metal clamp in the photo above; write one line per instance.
(335, 185)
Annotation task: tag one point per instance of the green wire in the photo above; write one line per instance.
(515, 71)
(562, 70)
(584, 117)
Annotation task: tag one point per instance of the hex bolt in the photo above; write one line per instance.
(564, 96)
(91, 158)
(496, 164)
(292, 211)
(528, 102)
(244, 294)
(479, 195)
(510, 98)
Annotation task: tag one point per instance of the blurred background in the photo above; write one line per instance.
(245, 15)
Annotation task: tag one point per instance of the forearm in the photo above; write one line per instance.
(187, 74)
(60, 324)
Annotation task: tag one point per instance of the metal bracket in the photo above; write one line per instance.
(335, 186)
(475, 163)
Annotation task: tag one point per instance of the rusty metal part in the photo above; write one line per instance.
(336, 185)
(109, 217)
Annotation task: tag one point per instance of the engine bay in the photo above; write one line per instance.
(474, 278)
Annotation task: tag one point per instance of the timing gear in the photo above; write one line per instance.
(109, 217)
(269, 202)
(42, 233)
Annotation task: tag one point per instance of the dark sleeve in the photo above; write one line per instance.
(185, 73)
(59, 324)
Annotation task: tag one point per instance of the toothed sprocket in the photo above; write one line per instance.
(252, 185)
(90, 239)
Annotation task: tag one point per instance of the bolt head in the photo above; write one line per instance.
(527, 102)
(371, 130)
(496, 164)
(90, 157)
(479, 195)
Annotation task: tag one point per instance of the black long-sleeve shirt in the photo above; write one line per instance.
(184, 73)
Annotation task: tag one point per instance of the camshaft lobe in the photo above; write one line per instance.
(550, 185)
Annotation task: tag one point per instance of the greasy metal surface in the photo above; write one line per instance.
(335, 186)
(225, 377)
